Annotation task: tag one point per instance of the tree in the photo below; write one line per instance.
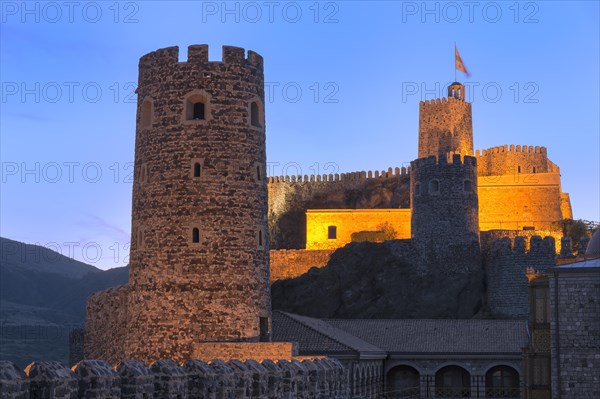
(575, 229)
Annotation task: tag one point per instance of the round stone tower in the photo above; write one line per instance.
(444, 201)
(445, 125)
(199, 266)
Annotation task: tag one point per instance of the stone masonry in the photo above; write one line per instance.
(165, 379)
(199, 263)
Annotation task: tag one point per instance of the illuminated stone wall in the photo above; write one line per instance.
(445, 125)
(290, 263)
(511, 202)
(348, 221)
(186, 288)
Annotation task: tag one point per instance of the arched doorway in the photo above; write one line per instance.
(403, 382)
(452, 382)
(502, 382)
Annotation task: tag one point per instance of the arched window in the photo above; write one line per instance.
(403, 382)
(502, 382)
(195, 235)
(146, 114)
(417, 189)
(467, 186)
(434, 187)
(256, 114)
(197, 169)
(196, 107)
(452, 382)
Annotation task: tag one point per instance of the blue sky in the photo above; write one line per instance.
(344, 80)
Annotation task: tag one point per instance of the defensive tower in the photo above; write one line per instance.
(444, 201)
(445, 125)
(199, 267)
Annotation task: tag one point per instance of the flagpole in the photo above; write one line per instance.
(455, 61)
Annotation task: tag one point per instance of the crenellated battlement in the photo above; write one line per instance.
(298, 377)
(512, 148)
(507, 262)
(520, 245)
(444, 100)
(339, 177)
(198, 54)
(451, 159)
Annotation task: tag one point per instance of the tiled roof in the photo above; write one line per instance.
(316, 336)
(439, 336)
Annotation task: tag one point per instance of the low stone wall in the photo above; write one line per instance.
(258, 351)
(318, 378)
(291, 263)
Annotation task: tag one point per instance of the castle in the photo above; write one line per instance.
(518, 187)
(200, 270)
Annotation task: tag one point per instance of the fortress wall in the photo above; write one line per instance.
(300, 378)
(106, 324)
(259, 351)
(292, 263)
(511, 202)
(506, 262)
(351, 221)
(507, 160)
(565, 206)
(290, 197)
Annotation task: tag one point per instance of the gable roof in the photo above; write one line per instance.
(315, 336)
(469, 336)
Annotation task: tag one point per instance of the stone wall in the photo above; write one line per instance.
(445, 125)
(444, 200)
(512, 160)
(290, 263)
(506, 263)
(318, 378)
(512, 202)
(349, 221)
(106, 324)
(575, 328)
(291, 196)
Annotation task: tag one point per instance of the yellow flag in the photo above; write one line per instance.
(458, 63)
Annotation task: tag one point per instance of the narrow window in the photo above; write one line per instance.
(258, 172)
(332, 232)
(146, 114)
(197, 169)
(467, 185)
(434, 186)
(534, 169)
(263, 325)
(198, 111)
(519, 169)
(195, 235)
(254, 114)
(417, 189)
(260, 238)
(140, 238)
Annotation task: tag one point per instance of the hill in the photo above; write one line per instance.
(42, 297)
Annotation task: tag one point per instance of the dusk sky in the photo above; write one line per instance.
(343, 85)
